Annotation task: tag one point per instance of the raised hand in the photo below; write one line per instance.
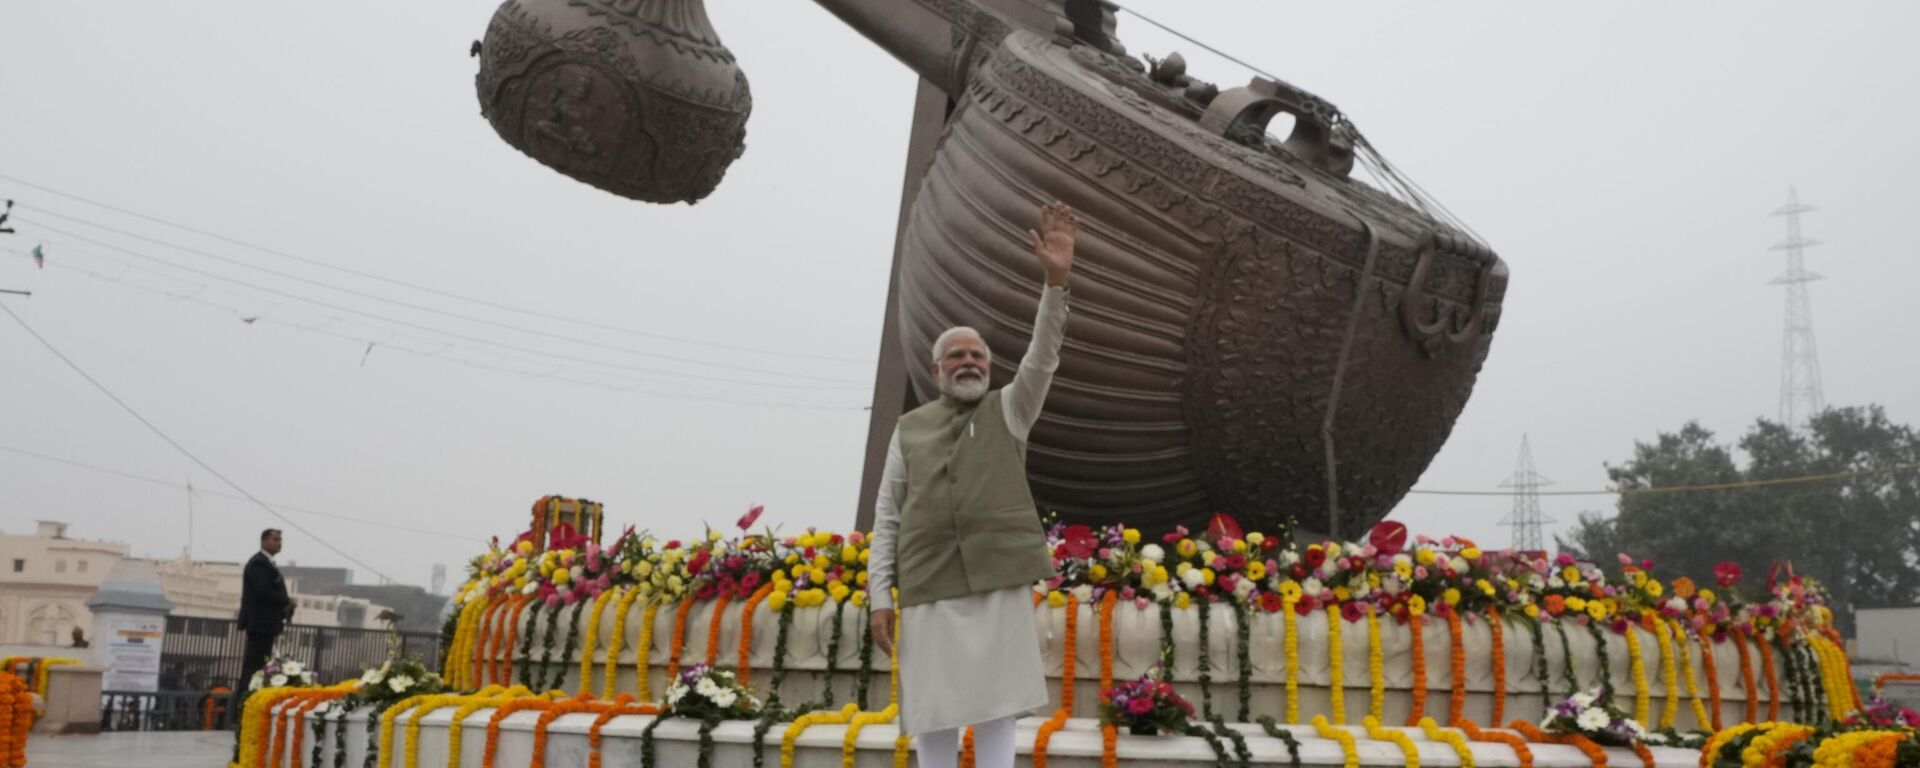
(1053, 242)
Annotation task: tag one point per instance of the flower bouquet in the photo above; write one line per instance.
(704, 693)
(281, 672)
(1592, 714)
(1880, 713)
(397, 679)
(1145, 707)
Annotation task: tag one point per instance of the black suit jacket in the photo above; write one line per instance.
(264, 605)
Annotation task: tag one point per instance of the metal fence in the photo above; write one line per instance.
(201, 655)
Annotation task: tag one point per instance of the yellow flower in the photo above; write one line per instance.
(777, 600)
(1708, 596)
(1416, 605)
(798, 571)
(1207, 576)
(1056, 599)
(1256, 538)
(1485, 587)
(1186, 548)
(1181, 601)
(643, 569)
(1532, 611)
(1181, 568)
(1424, 556)
(1470, 553)
(1290, 590)
(849, 555)
(525, 547)
(1576, 603)
(1256, 571)
(1342, 594)
(1098, 572)
(804, 540)
(860, 578)
(1654, 589)
(1240, 545)
(562, 576)
(839, 592)
(864, 554)
(1130, 535)
(793, 557)
(819, 575)
(1570, 575)
(821, 563)
(1451, 596)
(860, 598)
(1597, 609)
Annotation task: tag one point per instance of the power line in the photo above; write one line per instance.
(1693, 488)
(405, 304)
(427, 288)
(630, 385)
(452, 334)
(183, 449)
(190, 489)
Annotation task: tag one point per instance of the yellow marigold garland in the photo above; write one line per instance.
(1451, 738)
(420, 710)
(490, 696)
(1700, 719)
(589, 641)
(803, 722)
(1710, 750)
(1348, 749)
(1840, 750)
(643, 653)
(386, 726)
(1376, 666)
(255, 720)
(1766, 749)
(45, 667)
(1379, 733)
(902, 742)
(1636, 662)
(886, 715)
(1833, 676)
(1293, 657)
(1336, 687)
(1669, 673)
(619, 639)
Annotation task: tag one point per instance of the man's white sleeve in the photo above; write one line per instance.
(1023, 397)
(886, 526)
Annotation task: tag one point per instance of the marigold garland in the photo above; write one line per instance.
(1669, 673)
(1376, 666)
(1109, 733)
(1846, 667)
(277, 730)
(746, 631)
(1773, 679)
(476, 646)
(1881, 680)
(966, 749)
(1712, 669)
(902, 742)
(539, 701)
(1586, 746)
(1378, 732)
(679, 643)
(307, 703)
(580, 703)
(1292, 642)
(1450, 738)
(713, 628)
(623, 705)
(1499, 664)
(1419, 671)
(800, 724)
(886, 715)
(1067, 662)
(255, 723)
(619, 639)
(1348, 749)
(512, 636)
(1700, 719)
(643, 652)
(1709, 752)
(490, 696)
(1457, 694)
(1768, 749)
(489, 620)
(422, 709)
(1337, 686)
(1747, 683)
(16, 717)
(1829, 662)
(592, 640)
(1515, 743)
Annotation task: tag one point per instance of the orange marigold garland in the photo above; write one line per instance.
(1109, 733)
(679, 642)
(1713, 679)
(1515, 743)
(580, 703)
(1419, 654)
(513, 637)
(493, 724)
(746, 630)
(1499, 663)
(477, 663)
(311, 700)
(1586, 746)
(1457, 696)
(1746, 675)
(713, 627)
(1067, 661)
(1773, 680)
(621, 706)
(490, 696)
(966, 749)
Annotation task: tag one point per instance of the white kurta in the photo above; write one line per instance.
(970, 659)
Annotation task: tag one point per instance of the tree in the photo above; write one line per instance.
(1858, 531)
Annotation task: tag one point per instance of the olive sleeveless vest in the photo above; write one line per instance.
(968, 524)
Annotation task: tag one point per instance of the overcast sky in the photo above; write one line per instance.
(1621, 157)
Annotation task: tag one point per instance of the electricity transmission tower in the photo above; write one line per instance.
(1526, 519)
(1800, 395)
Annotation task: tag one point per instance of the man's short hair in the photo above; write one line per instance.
(940, 343)
(268, 534)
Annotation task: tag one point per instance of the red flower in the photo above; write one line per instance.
(1315, 556)
(1223, 527)
(1306, 606)
(1236, 561)
(747, 520)
(1271, 603)
(1388, 537)
(1727, 573)
(1352, 611)
(1140, 707)
(1078, 541)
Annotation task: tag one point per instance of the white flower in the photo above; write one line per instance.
(1192, 578)
(1153, 553)
(675, 694)
(1459, 564)
(1584, 699)
(278, 680)
(1639, 731)
(399, 683)
(1243, 587)
(1593, 719)
(706, 688)
(1161, 591)
(1289, 557)
(1677, 604)
(1555, 583)
(577, 572)
(1312, 587)
(1083, 593)
(372, 677)
(292, 668)
(723, 698)
(530, 588)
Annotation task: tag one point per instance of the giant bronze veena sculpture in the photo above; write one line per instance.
(1254, 332)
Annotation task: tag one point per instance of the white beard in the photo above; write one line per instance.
(968, 391)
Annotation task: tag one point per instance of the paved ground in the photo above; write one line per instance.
(180, 749)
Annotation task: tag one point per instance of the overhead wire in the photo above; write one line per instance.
(774, 383)
(218, 494)
(1762, 483)
(191, 456)
(582, 322)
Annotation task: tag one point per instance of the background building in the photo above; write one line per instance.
(45, 580)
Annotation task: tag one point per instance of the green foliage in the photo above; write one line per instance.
(1859, 534)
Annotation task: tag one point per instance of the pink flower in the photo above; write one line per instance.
(746, 520)
(553, 601)
(1139, 707)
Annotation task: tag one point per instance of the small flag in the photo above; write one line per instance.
(39, 257)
